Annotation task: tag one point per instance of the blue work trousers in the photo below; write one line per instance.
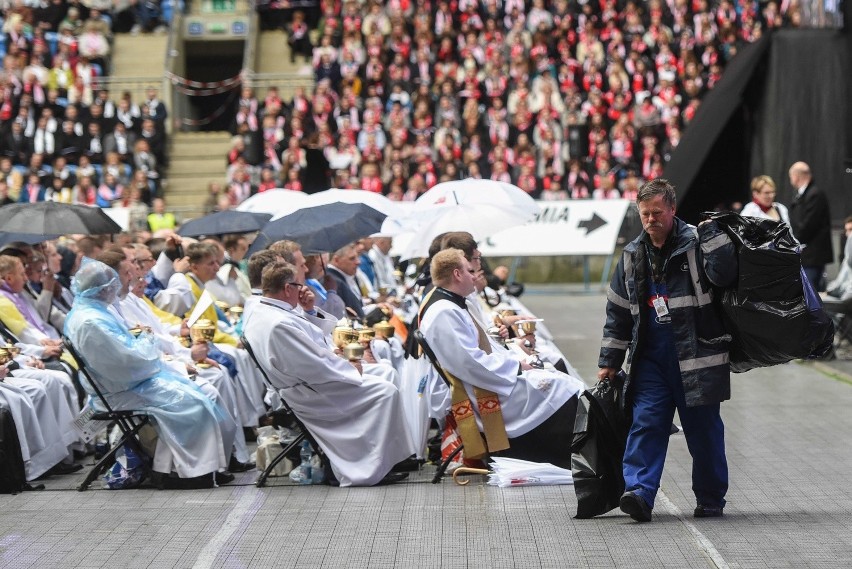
(657, 390)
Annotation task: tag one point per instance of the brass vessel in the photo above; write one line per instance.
(343, 335)
(353, 351)
(366, 334)
(527, 326)
(202, 331)
(384, 329)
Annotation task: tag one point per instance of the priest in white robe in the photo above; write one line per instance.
(524, 413)
(357, 420)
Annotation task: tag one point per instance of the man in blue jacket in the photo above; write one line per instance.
(660, 315)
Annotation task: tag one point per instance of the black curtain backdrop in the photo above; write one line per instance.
(803, 113)
(710, 165)
(782, 99)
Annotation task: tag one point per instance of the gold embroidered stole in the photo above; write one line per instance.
(487, 403)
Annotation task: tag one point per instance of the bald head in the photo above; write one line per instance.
(800, 174)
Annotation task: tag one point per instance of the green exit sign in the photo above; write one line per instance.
(217, 28)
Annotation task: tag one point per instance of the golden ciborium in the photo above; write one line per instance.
(5, 356)
(344, 335)
(527, 326)
(14, 351)
(365, 335)
(235, 313)
(384, 330)
(202, 332)
(135, 331)
(222, 305)
(353, 351)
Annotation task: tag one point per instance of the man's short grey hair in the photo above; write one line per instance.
(657, 187)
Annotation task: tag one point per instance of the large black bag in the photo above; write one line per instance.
(597, 451)
(772, 313)
(12, 474)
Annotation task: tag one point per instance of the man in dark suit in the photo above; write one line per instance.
(344, 265)
(810, 219)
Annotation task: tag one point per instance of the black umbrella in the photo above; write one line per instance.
(28, 238)
(325, 227)
(54, 218)
(224, 222)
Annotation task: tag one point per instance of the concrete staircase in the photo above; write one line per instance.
(135, 57)
(273, 57)
(197, 158)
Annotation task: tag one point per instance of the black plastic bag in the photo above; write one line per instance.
(597, 451)
(12, 470)
(773, 314)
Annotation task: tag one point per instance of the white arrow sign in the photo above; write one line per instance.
(569, 227)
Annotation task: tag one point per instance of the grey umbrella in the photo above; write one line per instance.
(224, 222)
(325, 227)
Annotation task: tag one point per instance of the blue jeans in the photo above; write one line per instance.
(657, 390)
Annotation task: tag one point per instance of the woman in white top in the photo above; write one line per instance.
(763, 202)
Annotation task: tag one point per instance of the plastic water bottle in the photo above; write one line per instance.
(305, 467)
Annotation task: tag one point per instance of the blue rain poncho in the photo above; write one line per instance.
(195, 435)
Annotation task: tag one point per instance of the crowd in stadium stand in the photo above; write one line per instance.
(565, 99)
(63, 136)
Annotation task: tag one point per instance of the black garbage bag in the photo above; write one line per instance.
(597, 451)
(772, 314)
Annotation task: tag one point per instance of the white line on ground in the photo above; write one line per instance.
(702, 540)
(209, 552)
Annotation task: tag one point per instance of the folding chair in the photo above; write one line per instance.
(129, 423)
(303, 434)
(430, 355)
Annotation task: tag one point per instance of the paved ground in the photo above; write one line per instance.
(790, 502)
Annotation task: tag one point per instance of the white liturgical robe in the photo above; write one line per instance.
(527, 399)
(358, 421)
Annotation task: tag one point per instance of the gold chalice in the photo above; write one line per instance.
(202, 332)
(235, 313)
(135, 331)
(5, 356)
(222, 305)
(384, 330)
(365, 335)
(14, 351)
(527, 326)
(343, 335)
(353, 351)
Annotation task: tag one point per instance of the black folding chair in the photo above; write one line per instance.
(129, 423)
(430, 355)
(303, 431)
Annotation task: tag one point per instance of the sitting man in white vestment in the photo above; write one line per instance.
(522, 412)
(357, 419)
(195, 436)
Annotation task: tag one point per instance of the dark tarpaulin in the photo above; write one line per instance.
(720, 106)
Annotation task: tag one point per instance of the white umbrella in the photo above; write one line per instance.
(278, 203)
(508, 472)
(376, 201)
(473, 191)
(480, 207)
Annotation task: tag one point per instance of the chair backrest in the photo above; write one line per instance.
(424, 345)
(81, 369)
(266, 379)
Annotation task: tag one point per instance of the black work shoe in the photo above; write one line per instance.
(635, 506)
(236, 466)
(702, 511)
(65, 468)
(410, 464)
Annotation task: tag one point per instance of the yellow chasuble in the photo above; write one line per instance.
(210, 314)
